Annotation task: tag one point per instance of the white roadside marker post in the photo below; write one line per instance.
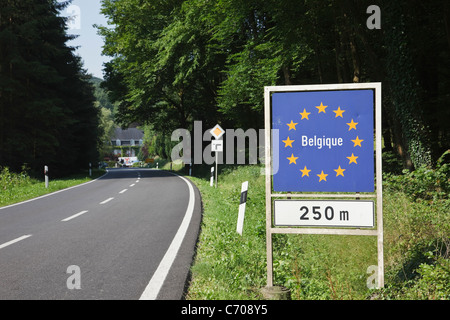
(211, 182)
(241, 215)
(46, 176)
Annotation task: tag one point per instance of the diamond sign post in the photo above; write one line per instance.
(217, 144)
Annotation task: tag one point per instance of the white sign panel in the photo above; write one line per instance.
(324, 213)
(217, 145)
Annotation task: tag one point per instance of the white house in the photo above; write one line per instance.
(127, 141)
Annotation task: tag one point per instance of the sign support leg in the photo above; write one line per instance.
(380, 262)
(380, 239)
(379, 186)
(217, 159)
(269, 259)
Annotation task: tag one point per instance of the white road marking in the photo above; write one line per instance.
(137, 181)
(123, 191)
(106, 201)
(132, 185)
(14, 241)
(157, 281)
(74, 216)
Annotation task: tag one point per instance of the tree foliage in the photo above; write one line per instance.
(47, 115)
(177, 61)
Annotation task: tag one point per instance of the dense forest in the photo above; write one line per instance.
(47, 112)
(177, 61)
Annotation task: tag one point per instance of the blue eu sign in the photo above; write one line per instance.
(326, 141)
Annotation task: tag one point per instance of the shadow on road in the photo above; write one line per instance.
(127, 173)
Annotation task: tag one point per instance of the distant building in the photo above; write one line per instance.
(127, 141)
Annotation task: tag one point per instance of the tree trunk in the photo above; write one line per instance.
(287, 75)
(355, 60)
(402, 76)
(447, 21)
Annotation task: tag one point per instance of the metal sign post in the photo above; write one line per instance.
(217, 145)
(326, 143)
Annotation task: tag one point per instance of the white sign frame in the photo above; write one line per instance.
(324, 213)
(377, 195)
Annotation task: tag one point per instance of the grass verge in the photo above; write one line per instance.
(16, 188)
(230, 266)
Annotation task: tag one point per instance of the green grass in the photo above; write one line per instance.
(227, 265)
(15, 188)
(230, 266)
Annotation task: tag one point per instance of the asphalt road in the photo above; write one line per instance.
(128, 235)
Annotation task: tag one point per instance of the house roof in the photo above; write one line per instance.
(127, 134)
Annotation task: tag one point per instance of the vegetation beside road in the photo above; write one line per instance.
(17, 187)
(416, 227)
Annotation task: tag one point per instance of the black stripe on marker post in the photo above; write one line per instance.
(240, 222)
(211, 181)
(243, 197)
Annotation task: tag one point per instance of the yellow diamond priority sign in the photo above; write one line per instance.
(217, 132)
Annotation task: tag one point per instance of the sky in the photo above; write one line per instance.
(86, 13)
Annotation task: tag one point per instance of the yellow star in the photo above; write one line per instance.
(352, 159)
(339, 112)
(322, 176)
(352, 125)
(339, 171)
(322, 108)
(292, 125)
(357, 141)
(305, 114)
(305, 172)
(292, 159)
(288, 142)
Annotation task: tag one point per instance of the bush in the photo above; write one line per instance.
(417, 229)
(432, 283)
(423, 183)
(111, 164)
(10, 179)
(392, 163)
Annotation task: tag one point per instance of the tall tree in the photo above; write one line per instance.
(44, 98)
(163, 70)
(179, 61)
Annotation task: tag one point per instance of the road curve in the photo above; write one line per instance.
(128, 235)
